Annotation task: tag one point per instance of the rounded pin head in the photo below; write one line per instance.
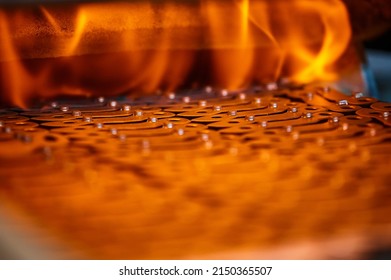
(186, 99)
(205, 136)
(358, 95)
(114, 131)
(274, 105)
(76, 113)
(122, 137)
(343, 102)
(271, 86)
(250, 118)
(258, 100)
(320, 141)
(181, 131)
(217, 108)
(126, 108)
(208, 89)
(224, 93)
(171, 95)
(335, 119)
(87, 119)
(232, 113)
(295, 135)
(242, 96)
(202, 103)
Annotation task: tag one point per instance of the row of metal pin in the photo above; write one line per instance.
(222, 93)
(203, 103)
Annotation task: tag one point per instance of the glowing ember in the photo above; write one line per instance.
(138, 47)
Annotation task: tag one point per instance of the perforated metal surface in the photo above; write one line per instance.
(203, 173)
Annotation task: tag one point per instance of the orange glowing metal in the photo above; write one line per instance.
(121, 48)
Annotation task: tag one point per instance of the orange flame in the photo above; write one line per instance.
(117, 48)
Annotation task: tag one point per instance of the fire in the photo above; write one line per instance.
(141, 47)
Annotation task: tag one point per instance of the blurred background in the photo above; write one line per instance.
(378, 52)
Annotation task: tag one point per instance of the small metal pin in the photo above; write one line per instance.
(114, 131)
(170, 125)
(24, 138)
(217, 108)
(181, 131)
(352, 147)
(208, 89)
(308, 115)
(310, 95)
(122, 137)
(224, 93)
(294, 110)
(250, 118)
(99, 125)
(335, 119)
(54, 104)
(153, 119)
(320, 141)
(234, 151)
(264, 124)
(202, 103)
(289, 129)
(343, 102)
(274, 105)
(64, 108)
(47, 151)
(76, 113)
(295, 135)
(126, 108)
(358, 95)
(258, 100)
(208, 145)
(145, 144)
(186, 99)
(232, 113)
(345, 126)
(386, 114)
(138, 113)
(372, 132)
(271, 86)
(113, 104)
(87, 119)
(205, 136)
(171, 95)
(101, 99)
(242, 96)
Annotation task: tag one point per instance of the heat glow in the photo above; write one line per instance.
(141, 47)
